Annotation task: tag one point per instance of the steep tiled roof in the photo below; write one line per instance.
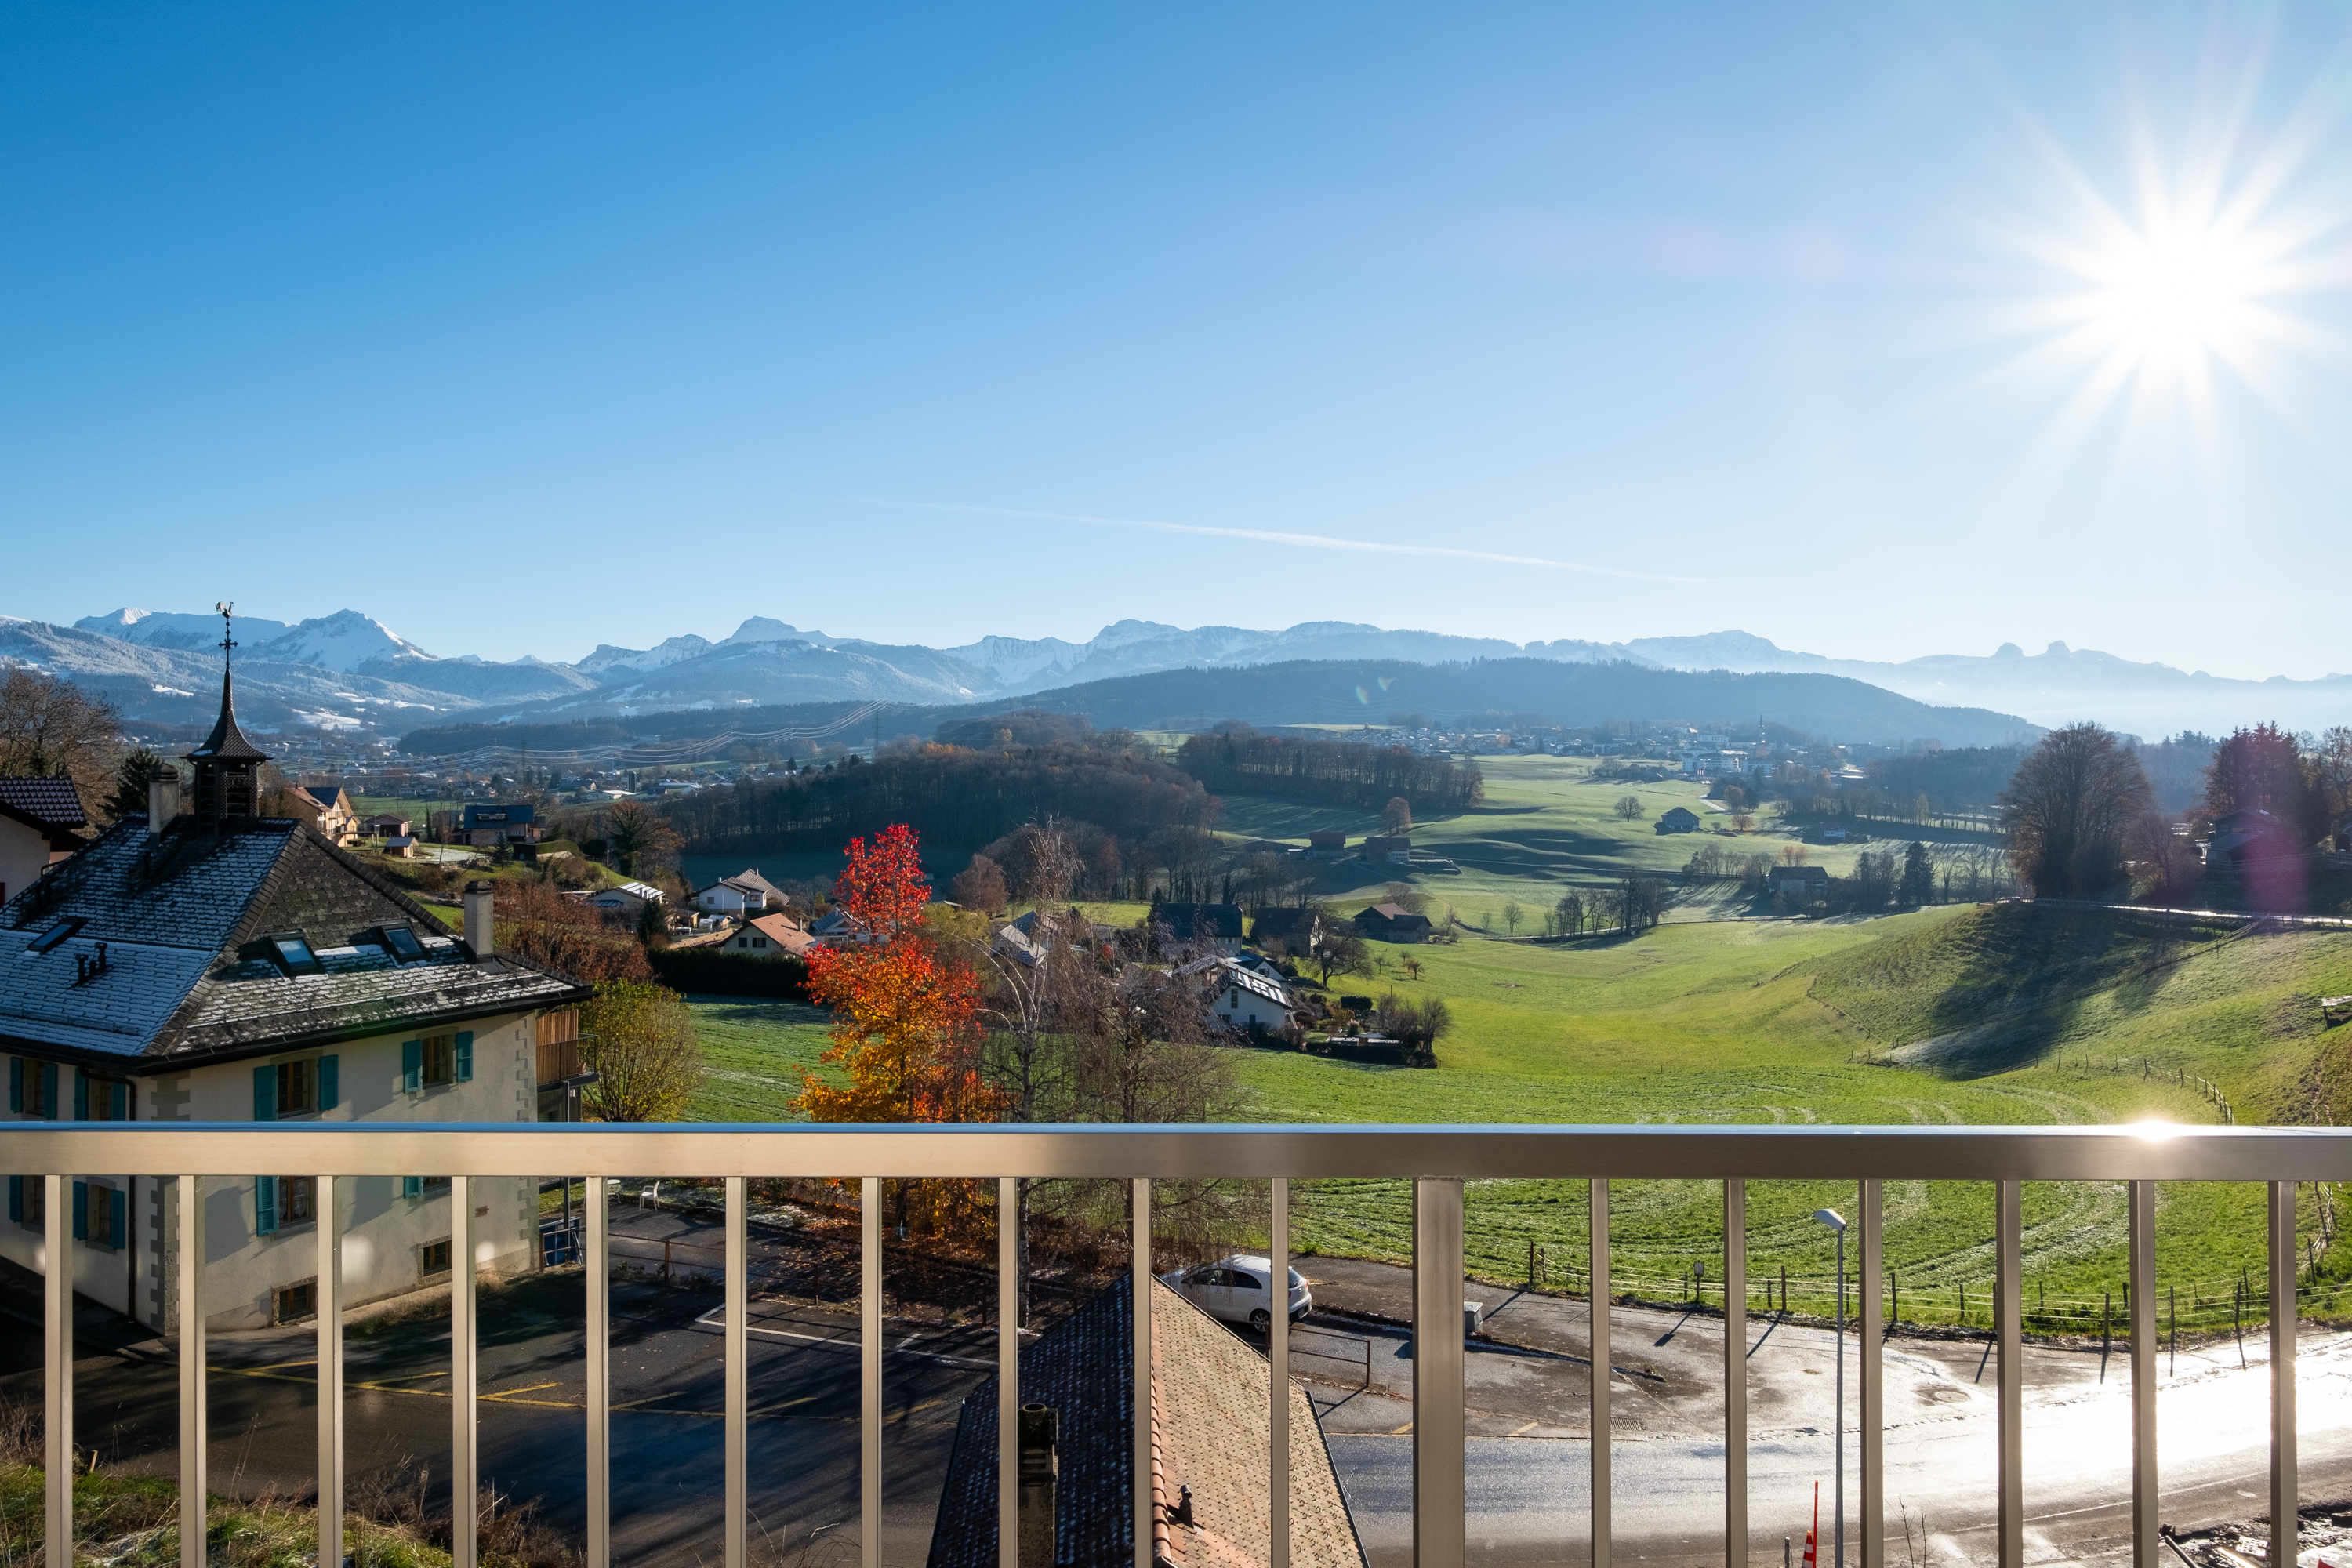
(181, 918)
(50, 803)
(1188, 922)
(1211, 1433)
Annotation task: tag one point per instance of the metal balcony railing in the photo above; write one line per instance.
(1438, 1159)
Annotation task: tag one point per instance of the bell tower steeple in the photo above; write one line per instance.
(227, 765)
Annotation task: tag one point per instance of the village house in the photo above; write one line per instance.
(388, 825)
(1802, 884)
(1326, 845)
(220, 966)
(1393, 848)
(327, 807)
(1248, 998)
(486, 827)
(1679, 819)
(40, 822)
(2250, 834)
(740, 894)
(1295, 928)
(1219, 925)
(625, 902)
(837, 926)
(774, 935)
(1392, 922)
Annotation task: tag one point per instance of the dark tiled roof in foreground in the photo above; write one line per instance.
(1209, 1433)
(187, 976)
(51, 802)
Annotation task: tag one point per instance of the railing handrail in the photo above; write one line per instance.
(2139, 1152)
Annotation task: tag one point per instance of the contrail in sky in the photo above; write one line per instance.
(1304, 541)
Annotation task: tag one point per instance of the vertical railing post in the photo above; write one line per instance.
(194, 1473)
(599, 1349)
(738, 1359)
(2286, 1501)
(1603, 1439)
(329, 1293)
(2144, 1542)
(1277, 1386)
(1439, 1419)
(1139, 1273)
(2008, 1310)
(1008, 1372)
(1871, 1357)
(1735, 1373)
(465, 1494)
(869, 1372)
(57, 1338)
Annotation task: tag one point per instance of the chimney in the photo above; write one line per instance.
(1039, 1466)
(162, 799)
(479, 896)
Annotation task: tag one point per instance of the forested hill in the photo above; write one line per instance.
(1572, 694)
(949, 796)
(1339, 690)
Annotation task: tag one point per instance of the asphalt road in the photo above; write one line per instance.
(1526, 1393)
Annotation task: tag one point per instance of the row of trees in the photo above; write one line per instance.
(1236, 759)
(1636, 903)
(949, 793)
(2081, 810)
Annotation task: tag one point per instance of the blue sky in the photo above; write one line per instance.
(529, 326)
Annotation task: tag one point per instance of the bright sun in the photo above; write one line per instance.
(2175, 297)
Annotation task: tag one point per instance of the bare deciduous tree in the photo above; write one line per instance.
(50, 727)
(980, 886)
(2067, 809)
(640, 1039)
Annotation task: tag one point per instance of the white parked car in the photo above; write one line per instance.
(1234, 1289)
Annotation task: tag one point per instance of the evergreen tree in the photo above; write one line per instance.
(1918, 878)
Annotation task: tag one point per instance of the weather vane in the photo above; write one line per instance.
(225, 609)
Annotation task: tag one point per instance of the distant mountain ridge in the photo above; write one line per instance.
(348, 670)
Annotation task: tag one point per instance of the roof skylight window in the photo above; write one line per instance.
(403, 944)
(292, 951)
(56, 933)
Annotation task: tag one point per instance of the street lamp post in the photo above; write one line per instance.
(1836, 1222)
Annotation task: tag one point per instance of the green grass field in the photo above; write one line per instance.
(1796, 1023)
(2004, 1015)
(1547, 825)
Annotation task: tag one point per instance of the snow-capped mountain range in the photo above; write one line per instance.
(350, 670)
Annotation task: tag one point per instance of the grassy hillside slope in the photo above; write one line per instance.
(1798, 1023)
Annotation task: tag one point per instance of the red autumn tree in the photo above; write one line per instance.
(905, 1011)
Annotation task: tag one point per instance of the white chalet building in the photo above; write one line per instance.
(218, 966)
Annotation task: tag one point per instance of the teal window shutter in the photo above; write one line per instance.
(265, 1206)
(118, 1218)
(264, 1094)
(16, 1199)
(465, 1053)
(412, 1066)
(118, 1101)
(329, 1095)
(50, 1090)
(81, 1096)
(411, 1186)
(81, 1211)
(17, 1083)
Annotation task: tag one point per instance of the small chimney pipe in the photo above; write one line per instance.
(162, 799)
(1040, 1468)
(478, 899)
